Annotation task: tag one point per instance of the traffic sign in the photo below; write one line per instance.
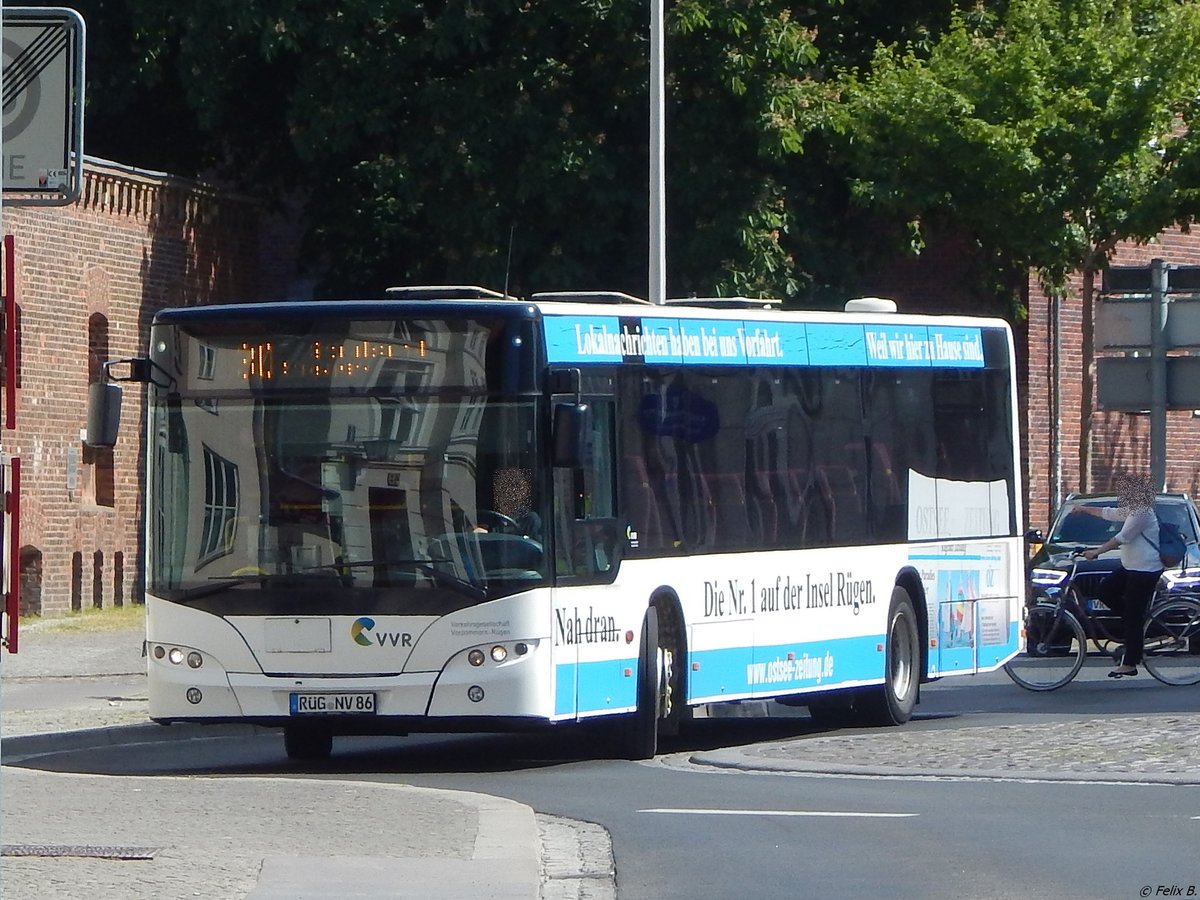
(43, 106)
(1127, 315)
(1127, 323)
(1123, 383)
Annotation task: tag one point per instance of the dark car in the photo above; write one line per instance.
(1051, 562)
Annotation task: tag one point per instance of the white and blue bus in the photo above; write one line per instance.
(452, 510)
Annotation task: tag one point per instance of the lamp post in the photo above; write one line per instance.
(658, 212)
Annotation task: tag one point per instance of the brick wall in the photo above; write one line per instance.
(89, 278)
(1120, 440)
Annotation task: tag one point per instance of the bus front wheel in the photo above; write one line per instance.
(637, 732)
(307, 742)
(892, 702)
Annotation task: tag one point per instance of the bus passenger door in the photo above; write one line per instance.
(594, 661)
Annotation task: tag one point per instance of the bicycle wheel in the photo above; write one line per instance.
(1053, 650)
(1172, 652)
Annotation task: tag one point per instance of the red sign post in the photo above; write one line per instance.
(10, 558)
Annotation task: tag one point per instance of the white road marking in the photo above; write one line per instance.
(783, 812)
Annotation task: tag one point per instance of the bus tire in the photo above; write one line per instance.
(637, 732)
(892, 702)
(673, 711)
(306, 742)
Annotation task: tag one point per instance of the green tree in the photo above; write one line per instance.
(476, 141)
(1048, 130)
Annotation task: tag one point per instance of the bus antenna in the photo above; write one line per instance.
(508, 262)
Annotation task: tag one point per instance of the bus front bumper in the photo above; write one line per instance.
(514, 688)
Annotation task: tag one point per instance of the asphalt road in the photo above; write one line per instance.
(682, 830)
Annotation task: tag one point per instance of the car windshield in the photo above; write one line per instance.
(1090, 530)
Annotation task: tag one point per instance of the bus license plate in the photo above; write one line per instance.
(342, 703)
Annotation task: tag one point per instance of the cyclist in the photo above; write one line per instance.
(1130, 587)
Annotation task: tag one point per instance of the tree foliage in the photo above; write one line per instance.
(1051, 130)
(507, 142)
(484, 142)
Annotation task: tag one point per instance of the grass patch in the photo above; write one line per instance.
(114, 618)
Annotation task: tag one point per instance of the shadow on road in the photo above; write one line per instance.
(982, 701)
(262, 753)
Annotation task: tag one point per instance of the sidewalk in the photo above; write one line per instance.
(71, 836)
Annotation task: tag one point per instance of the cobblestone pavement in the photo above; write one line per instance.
(1163, 748)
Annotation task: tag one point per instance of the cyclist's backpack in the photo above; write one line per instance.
(1171, 546)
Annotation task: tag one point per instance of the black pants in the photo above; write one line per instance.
(1128, 592)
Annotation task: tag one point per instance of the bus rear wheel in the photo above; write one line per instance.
(893, 702)
(307, 742)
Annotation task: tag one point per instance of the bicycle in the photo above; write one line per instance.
(1057, 631)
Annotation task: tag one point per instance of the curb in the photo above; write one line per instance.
(742, 762)
(23, 747)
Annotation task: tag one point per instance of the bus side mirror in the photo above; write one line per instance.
(104, 415)
(570, 434)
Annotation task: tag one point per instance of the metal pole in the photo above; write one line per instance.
(1158, 373)
(9, 374)
(1056, 494)
(658, 211)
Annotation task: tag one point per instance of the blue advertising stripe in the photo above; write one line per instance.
(956, 347)
(837, 345)
(564, 689)
(776, 343)
(600, 685)
(604, 685)
(583, 339)
(906, 346)
(793, 338)
(721, 342)
(737, 342)
(660, 342)
(737, 671)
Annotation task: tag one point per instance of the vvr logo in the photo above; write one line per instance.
(364, 634)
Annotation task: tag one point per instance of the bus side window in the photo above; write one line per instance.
(639, 501)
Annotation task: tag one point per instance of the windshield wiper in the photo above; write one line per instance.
(220, 583)
(263, 579)
(424, 566)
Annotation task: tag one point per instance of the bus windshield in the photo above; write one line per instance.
(396, 483)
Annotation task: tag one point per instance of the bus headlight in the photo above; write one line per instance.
(476, 657)
(195, 660)
(175, 655)
(499, 653)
